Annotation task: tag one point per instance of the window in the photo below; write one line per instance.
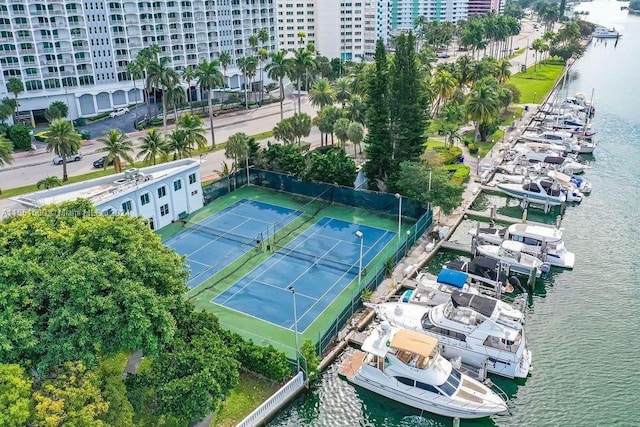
(427, 387)
(164, 209)
(126, 206)
(406, 381)
(162, 191)
(177, 185)
(144, 199)
(192, 178)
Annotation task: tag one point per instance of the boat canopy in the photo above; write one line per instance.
(452, 278)
(484, 262)
(413, 342)
(482, 305)
(554, 160)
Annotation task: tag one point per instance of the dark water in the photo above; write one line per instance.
(583, 324)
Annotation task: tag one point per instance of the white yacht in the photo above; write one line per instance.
(541, 190)
(482, 331)
(606, 33)
(407, 367)
(435, 290)
(537, 239)
(514, 255)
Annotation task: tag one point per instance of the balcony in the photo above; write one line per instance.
(27, 51)
(11, 66)
(84, 72)
(81, 48)
(121, 57)
(9, 39)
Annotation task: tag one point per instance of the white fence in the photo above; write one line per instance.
(274, 403)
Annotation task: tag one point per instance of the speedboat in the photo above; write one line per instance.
(432, 291)
(537, 239)
(481, 331)
(407, 367)
(605, 33)
(540, 190)
(514, 256)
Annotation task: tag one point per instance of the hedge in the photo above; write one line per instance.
(19, 135)
(461, 173)
(265, 361)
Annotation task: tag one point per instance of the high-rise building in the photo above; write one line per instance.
(77, 51)
(403, 13)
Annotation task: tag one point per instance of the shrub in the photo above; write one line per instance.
(85, 134)
(80, 121)
(450, 155)
(308, 351)
(473, 148)
(265, 361)
(156, 121)
(461, 173)
(4, 129)
(19, 135)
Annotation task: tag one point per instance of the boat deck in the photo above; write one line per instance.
(351, 364)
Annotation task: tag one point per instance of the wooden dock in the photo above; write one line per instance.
(495, 217)
(454, 246)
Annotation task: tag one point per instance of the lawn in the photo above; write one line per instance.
(250, 393)
(537, 81)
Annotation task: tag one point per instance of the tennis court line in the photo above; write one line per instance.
(282, 289)
(336, 282)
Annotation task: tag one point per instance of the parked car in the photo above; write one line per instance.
(119, 112)
(442, 55)
(57, 160)
(99, 163)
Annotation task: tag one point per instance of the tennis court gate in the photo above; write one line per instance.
(365, 199)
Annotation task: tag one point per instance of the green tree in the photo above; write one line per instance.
(302, 63)
(56, 110)
(301, 124)
(283, 158)
(321, 93)
(20, 137)
(194, 128)
(378, 145)
(145, 58)
(153, 145)
(161, 77)
(355, 134)
(185, 382)
(225, 61)
(6, 152)
(334, 167)
(341, 129)
(85, 285)
(135, 73)
(263, 55)
(178, 144)
(327, 117)
(483, 106)
(279, 67)
(118, 147)
(175, 96)
(283, 131)
(49, 182)
(444, 86)
(357, 109)
(415, 179)
(245, 63)
(237, 148)
(6, 109)
(188, 75)
(15, 396)
(342, 88)
(63, 140)
(209, 77)
(308, 351)
(16, 87)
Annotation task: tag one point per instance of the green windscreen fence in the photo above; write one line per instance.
(369, 200)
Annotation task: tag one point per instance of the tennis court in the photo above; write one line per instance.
(215, 242)
(319, 263)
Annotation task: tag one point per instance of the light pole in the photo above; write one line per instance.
(526, 55)
(361, 237)
(399, 197)
(534, 97)
(295, 325)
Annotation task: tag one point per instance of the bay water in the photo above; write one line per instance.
(583, 325)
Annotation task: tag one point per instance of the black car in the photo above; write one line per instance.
(99, 163)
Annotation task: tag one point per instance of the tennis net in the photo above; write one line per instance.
(317, 260)
(249, 241)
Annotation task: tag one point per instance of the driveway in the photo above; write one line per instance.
(125, 122)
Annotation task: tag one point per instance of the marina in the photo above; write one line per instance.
(566, 310)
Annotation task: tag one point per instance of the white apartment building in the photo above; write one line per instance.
(346, 29)
(76, 51)
(403, 13)
(161, 194)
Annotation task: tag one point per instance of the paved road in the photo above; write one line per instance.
(125, 122)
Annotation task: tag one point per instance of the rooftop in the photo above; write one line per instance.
(100, 190)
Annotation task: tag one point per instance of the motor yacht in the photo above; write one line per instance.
(514, 256)
(435, 290)
(539, 190)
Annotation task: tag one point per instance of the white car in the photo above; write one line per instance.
(71, 158)
(119, 112)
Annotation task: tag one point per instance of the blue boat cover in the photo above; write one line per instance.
(407, 296)
(452, 278)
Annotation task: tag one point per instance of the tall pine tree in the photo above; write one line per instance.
(378, 144)
(407, 104)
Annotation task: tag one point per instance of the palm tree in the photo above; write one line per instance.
(189, 75)
(251, 68)
(63, 140)
(49, 182)
(57, 110)
(146, 56)
(254, 41)
(16, 87)
(263, 55)
(161, 77)
(357, 109)
(444, 86)
(6, 152)
(194, 128)
(341, 129)
(279, 67)
(356, 135)
(503, 70)
(209, 77)
(153, 144)
(482, 105)
(178, 144)
(342, 87)
(303, 61)
(225, 60)
(248, 65)
(135, 73)
(321, 93)
(237, 148)
(175, 96)
(118, 147)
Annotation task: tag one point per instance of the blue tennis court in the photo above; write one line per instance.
(319, 264)
(233, 234)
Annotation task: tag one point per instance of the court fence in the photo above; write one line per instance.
(370, 200)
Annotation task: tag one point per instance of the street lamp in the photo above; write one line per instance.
(534, 97)
(291, 289)
(361, 237)
(399, 197)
